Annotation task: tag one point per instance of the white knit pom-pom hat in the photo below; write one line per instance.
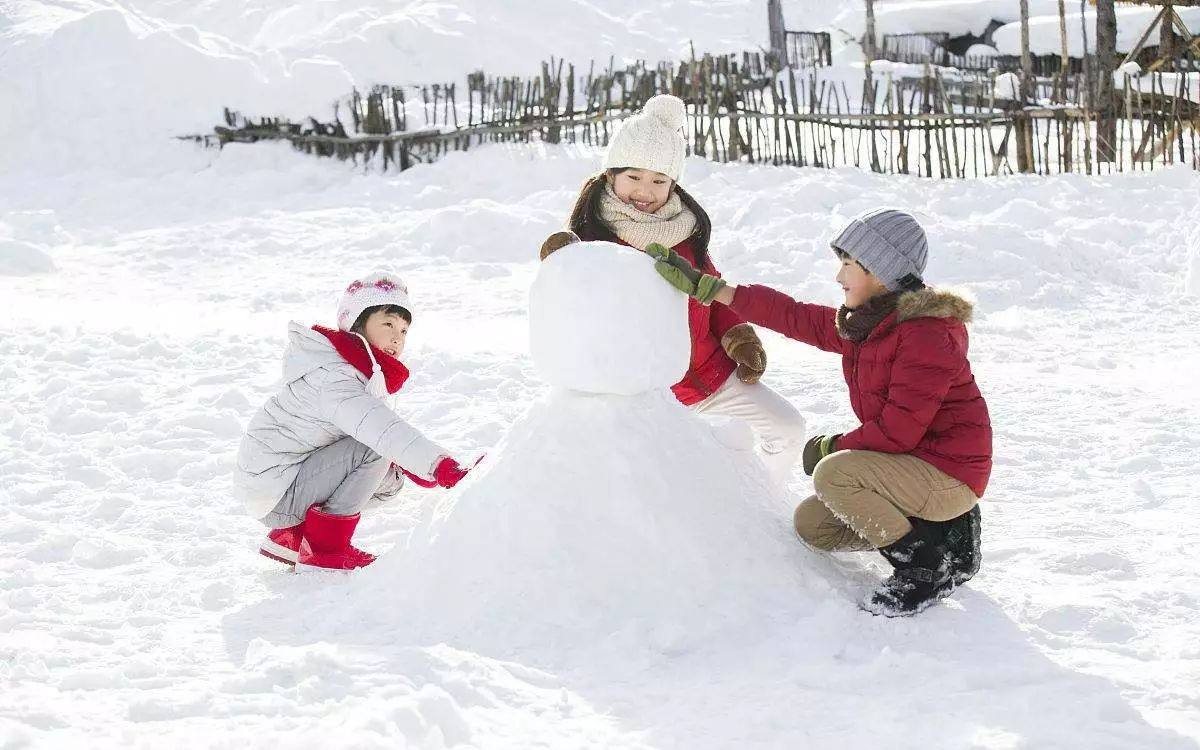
(377, 288)
(651, 139)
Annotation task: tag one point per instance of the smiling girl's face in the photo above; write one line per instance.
(643, 189)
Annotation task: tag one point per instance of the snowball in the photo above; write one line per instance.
(982, 50)
(601, 320)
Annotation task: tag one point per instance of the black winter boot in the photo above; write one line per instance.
(922, 572)
(962, 538)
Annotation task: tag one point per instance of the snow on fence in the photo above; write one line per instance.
(942, 123)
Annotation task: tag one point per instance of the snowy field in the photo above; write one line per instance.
(144, 321)
(146, 289)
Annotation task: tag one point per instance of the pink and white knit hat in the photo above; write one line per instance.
(377, 288)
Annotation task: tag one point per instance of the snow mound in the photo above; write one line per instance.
(23, 259)
(581, 339)
(955, 17)
(602, 518)
(145, 80)
(1045, 35)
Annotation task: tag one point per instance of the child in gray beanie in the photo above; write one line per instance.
(907, 480)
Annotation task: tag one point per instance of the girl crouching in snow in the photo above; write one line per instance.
(637, 201)
(908, 479)
(317, 452)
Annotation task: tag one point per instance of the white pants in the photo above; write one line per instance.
(777, 424)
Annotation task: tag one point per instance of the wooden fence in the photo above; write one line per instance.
(808, 48)
(747, 108)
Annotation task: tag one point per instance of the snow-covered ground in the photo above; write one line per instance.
(147, 285)
(137, 614)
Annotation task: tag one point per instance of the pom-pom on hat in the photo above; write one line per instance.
(651, 139)
(377, 288)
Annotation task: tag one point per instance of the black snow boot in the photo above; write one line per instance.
(962, 538)
(922, 572)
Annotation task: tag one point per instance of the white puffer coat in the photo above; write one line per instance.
(323, 399)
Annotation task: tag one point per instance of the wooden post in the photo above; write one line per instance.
(776, 30)
(1026, 58)
(1106, 59)
(1064, 66)
(1166, 44)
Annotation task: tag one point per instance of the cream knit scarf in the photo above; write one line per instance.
(669, 225)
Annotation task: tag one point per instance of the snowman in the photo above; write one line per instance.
(609, 513)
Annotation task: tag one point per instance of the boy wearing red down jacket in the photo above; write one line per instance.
(907, 480)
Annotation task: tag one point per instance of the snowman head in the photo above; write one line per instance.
(601, 319)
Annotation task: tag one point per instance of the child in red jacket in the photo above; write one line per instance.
(907, 480)
(637, 201)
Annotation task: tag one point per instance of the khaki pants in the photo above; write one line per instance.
(864, 499)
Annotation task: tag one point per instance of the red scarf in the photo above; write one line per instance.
(352, 350)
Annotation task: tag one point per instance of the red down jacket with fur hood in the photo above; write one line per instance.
(910, 382)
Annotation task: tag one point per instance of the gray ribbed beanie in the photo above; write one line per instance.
(889, 243)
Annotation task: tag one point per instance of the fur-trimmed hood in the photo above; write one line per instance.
(934, 303)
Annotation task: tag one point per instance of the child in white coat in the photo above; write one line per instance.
(318, 450)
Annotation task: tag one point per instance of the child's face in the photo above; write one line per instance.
(858, 285)
(644, 190)
(386, 331)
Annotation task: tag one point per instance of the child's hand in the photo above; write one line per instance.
(818, 447)
(448, 473)
(743, 346)
(683, 275)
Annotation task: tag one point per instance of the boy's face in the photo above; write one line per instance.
(858, 285)
(644, 190)
(386, 331)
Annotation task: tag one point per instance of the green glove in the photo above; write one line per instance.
(683, 276)
(818, 447)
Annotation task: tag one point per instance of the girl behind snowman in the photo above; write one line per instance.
(637, 201)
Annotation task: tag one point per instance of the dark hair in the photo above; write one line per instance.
(843, 255)
(361, 321)
(585, 218)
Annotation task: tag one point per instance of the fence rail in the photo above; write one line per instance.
(747, 108)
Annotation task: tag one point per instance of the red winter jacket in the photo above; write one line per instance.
(910, 381)
(710, 366)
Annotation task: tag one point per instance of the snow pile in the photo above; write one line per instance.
(611, 516)
(955, 17)
(1045, 35)
(1007, 86)
(21, 258)
(143, 81)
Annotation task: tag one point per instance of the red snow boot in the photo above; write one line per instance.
(326, 543)
(283, 545)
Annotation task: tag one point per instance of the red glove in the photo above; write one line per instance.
(446, 474)
(426, 483)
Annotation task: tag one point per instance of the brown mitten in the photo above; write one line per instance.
(742, 345)
(556, 241)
